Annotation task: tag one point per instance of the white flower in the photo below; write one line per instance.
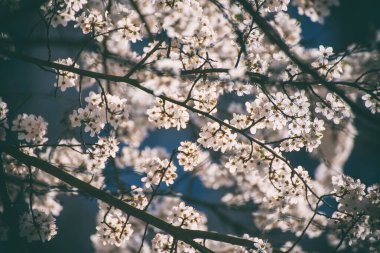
(167, 115)
(40, 226)
(30, 128)
(93, 21)
(217, 137)
(66, 79)
(127, 29)
(189, 155)
(99, 111)
(333, 108)
(185, 217)
(276, 5)
(372, 101)
(325, 52)
(137, 198)
(114, 229)
(3, 110)
(158, 170)
(163, 243)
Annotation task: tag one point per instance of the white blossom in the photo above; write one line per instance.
(166, 114)
(37, 226)
(189, 155)
(66, 79)
(30, 128)
(158, 170)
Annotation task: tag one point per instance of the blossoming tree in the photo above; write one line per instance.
(235, 75)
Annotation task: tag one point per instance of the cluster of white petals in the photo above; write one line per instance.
(358, 208)
(317, 11)
(136, 198)
(66, 79)
(276, 5)
(217, 137)
(37, 226)
(3, 110)
(114, 228)
(157, 171)
(188, 155)
(62, 12)
(372, 102)
(30, 128)
(3, 119)
(185, 217)
(333, 108)
(99, 111)
(104, 148)
(328, 68)
(260, 246)
(162, 243)
(93, 22)
(166, 114)
(178, 214)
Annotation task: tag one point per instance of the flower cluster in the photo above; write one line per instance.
(127, 29)
(317, 11)
(104, 148)
(260, 245)
(136, 198)
(349, 192)
(30, 128)
(276, 111)
(37, 226)
(13, 167)
(178, 214)
(205, 98)
(358, 209)
(3, 110)
(3, 116)
(290, 186)
(372, 102)
(333, 108)
(330, 69)
(99, 111)
(61, 12)
(163, 85)
(276, 5)
(288, 28)
(185, 217)
(217, 137)
(158, 170)
(284, 112)
(184, 20)
(162, 243)
(66, 79)
(114, 229)
(167, 115)
(189, 155)
(95, 22)
(304, 133)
